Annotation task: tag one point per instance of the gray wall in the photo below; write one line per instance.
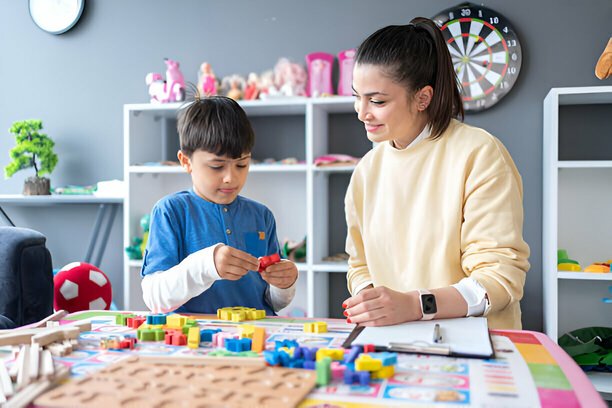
(78, 82)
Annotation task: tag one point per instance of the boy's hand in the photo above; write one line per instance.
(282, 274)
(232, 263)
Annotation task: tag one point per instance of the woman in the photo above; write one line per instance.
(434, 211)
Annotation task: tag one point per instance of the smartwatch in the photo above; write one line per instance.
(428, 304)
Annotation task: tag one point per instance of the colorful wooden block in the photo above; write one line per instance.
(323, 368)
(334, 354)
(193, 337)
(207, 334)
(246, 331)
(366, 363)
(175, 321)
(259, 339)
(385, 372)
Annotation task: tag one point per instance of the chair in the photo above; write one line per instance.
(26, 277)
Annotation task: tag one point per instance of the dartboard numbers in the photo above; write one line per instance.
(485, 51)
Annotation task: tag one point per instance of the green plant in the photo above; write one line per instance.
(33, 149)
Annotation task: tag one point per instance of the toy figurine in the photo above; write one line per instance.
(170, 90)
(290, 78)
(346, 61)
(319, 74)
(232, 86)
(207, 82)
(251, 91)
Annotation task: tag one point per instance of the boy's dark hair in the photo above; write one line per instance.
(416, 55)
(215, 124)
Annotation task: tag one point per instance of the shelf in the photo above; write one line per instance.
(585, 276)
(585, 164)
(330, 267)
(583, 95)
(57, 199)
(601, 381)
(334, 169)
(255, 168)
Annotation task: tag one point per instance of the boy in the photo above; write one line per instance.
(204, 243)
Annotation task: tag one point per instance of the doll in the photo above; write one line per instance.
(207, 82)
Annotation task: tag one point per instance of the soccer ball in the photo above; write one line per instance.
(81, 286)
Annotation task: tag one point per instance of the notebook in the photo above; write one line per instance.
(462, 337)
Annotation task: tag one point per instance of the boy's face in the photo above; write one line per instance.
(217, 179)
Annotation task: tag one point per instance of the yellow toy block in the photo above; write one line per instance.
(288, 350)
(367, 363)
(238, 316)
(246, 331)
(308, 327)
(598, 268)
(193, 337)
(258, 343)
(175, 321)
(385, 372)
(334, 354)
(239, 313)
(320, 327)
(256, 314)
(568, 267)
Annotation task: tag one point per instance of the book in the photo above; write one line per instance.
(461, 337)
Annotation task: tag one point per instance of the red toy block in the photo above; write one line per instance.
(135, 322)
(266, 261)
(368, 348)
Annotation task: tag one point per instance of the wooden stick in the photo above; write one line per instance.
(22, 375)
(34, 362)
(28, 394)
(47, 367)
(55, 317)
(55, 334)
(6, 385)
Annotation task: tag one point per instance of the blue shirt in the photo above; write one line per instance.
(183, 223)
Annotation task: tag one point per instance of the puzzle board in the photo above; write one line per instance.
(522, 374)
(135, 381)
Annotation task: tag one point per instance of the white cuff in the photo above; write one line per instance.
(475, 296)
(362, 287)
(280, 298)
(165, 291)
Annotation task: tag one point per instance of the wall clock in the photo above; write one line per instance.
(56, 16)
(485, 50)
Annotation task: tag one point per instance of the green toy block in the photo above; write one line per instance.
(121, 319)
(323, 368)
(566, 260)
(562, 254)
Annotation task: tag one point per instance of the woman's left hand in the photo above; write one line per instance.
(282, 274)
(381, 306)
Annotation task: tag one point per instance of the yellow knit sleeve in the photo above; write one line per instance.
(358, 272)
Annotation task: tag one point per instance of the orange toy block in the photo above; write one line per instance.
(258, 343)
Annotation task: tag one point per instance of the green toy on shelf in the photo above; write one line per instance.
(139, 244)
(564, 263)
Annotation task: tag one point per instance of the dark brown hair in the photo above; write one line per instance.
(416, 55)
(215, 124)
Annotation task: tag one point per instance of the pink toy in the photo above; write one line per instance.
(207, 82)
(319, 74)
(290, 78)
(81, 286)
(170, 90)
(346, 60)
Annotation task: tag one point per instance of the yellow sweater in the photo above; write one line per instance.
(436, 212)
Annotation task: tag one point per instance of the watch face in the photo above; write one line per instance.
(429, 304)
(485, 50)
(56, 16)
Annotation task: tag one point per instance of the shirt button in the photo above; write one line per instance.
(228, 231)
(225, 209)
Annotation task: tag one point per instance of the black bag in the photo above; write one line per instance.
(26, 277)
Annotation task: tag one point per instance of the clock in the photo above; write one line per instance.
(485, 51)
(56, 16)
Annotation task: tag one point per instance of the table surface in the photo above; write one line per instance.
(529, 369)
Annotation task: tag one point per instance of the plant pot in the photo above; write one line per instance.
(37, 186)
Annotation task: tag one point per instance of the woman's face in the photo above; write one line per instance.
(385, 108)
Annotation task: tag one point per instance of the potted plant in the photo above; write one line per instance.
(33, 149)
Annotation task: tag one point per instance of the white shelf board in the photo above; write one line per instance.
(335, 104)
(583, 95)
(584, 164)
(330, 267)
(601, 381)
(255, 168)
(585, 276)
(334, 169)
(57, 199)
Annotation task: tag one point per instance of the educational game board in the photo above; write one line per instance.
(523, 374)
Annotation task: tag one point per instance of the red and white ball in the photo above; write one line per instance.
(81, 286)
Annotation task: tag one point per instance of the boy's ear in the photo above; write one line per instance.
(184, 161)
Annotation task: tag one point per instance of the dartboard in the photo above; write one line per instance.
(485, 50)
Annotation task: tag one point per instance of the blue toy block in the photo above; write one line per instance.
(310, 354)
(285, 343)
(156, 319)
(271, 357)
(238, 345)
(351, 377)
(364, 377)
(352, 355)
(386, 357)
(296, 363)
(310, 364)
(298, 352)
(207, 334)
(284, 358)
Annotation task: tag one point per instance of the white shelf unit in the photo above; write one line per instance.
(297, 194)
(577, 192)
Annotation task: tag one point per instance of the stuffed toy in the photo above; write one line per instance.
(81, 286)
(603, 69)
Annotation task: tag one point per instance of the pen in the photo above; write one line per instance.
(436, 334)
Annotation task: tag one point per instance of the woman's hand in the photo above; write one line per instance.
(281, 274)
(381, 306)
(232, 263)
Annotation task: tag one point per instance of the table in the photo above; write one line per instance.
(529, 369)
(107, 209)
